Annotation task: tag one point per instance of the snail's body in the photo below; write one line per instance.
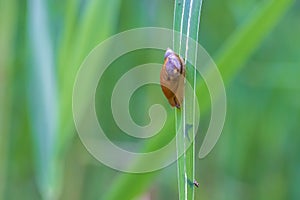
(172, 77)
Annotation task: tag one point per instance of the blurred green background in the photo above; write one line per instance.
(42, 45)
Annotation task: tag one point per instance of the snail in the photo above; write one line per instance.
(172, 77)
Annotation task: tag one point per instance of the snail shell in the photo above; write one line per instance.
(172, 77)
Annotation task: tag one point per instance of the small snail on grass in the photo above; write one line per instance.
(172, 77)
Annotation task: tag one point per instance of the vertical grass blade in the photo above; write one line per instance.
(8, 10)
(43, 98)
(89, 32)
(187, 22)
(80, 35)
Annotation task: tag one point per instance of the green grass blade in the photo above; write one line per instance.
(187, 22)
(80, 36)
(8, 10)
(68, 36)
(43, 98)
(90, 32)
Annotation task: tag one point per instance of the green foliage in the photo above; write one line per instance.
(255, 47)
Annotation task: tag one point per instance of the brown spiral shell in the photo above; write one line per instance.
(172, 77)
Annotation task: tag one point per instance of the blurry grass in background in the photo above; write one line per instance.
(257, 156)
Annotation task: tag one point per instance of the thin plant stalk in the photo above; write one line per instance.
(187, 22)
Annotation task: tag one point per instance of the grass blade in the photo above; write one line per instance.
(187, 22)
(8, 20)
(86, 36)
(43, 98)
